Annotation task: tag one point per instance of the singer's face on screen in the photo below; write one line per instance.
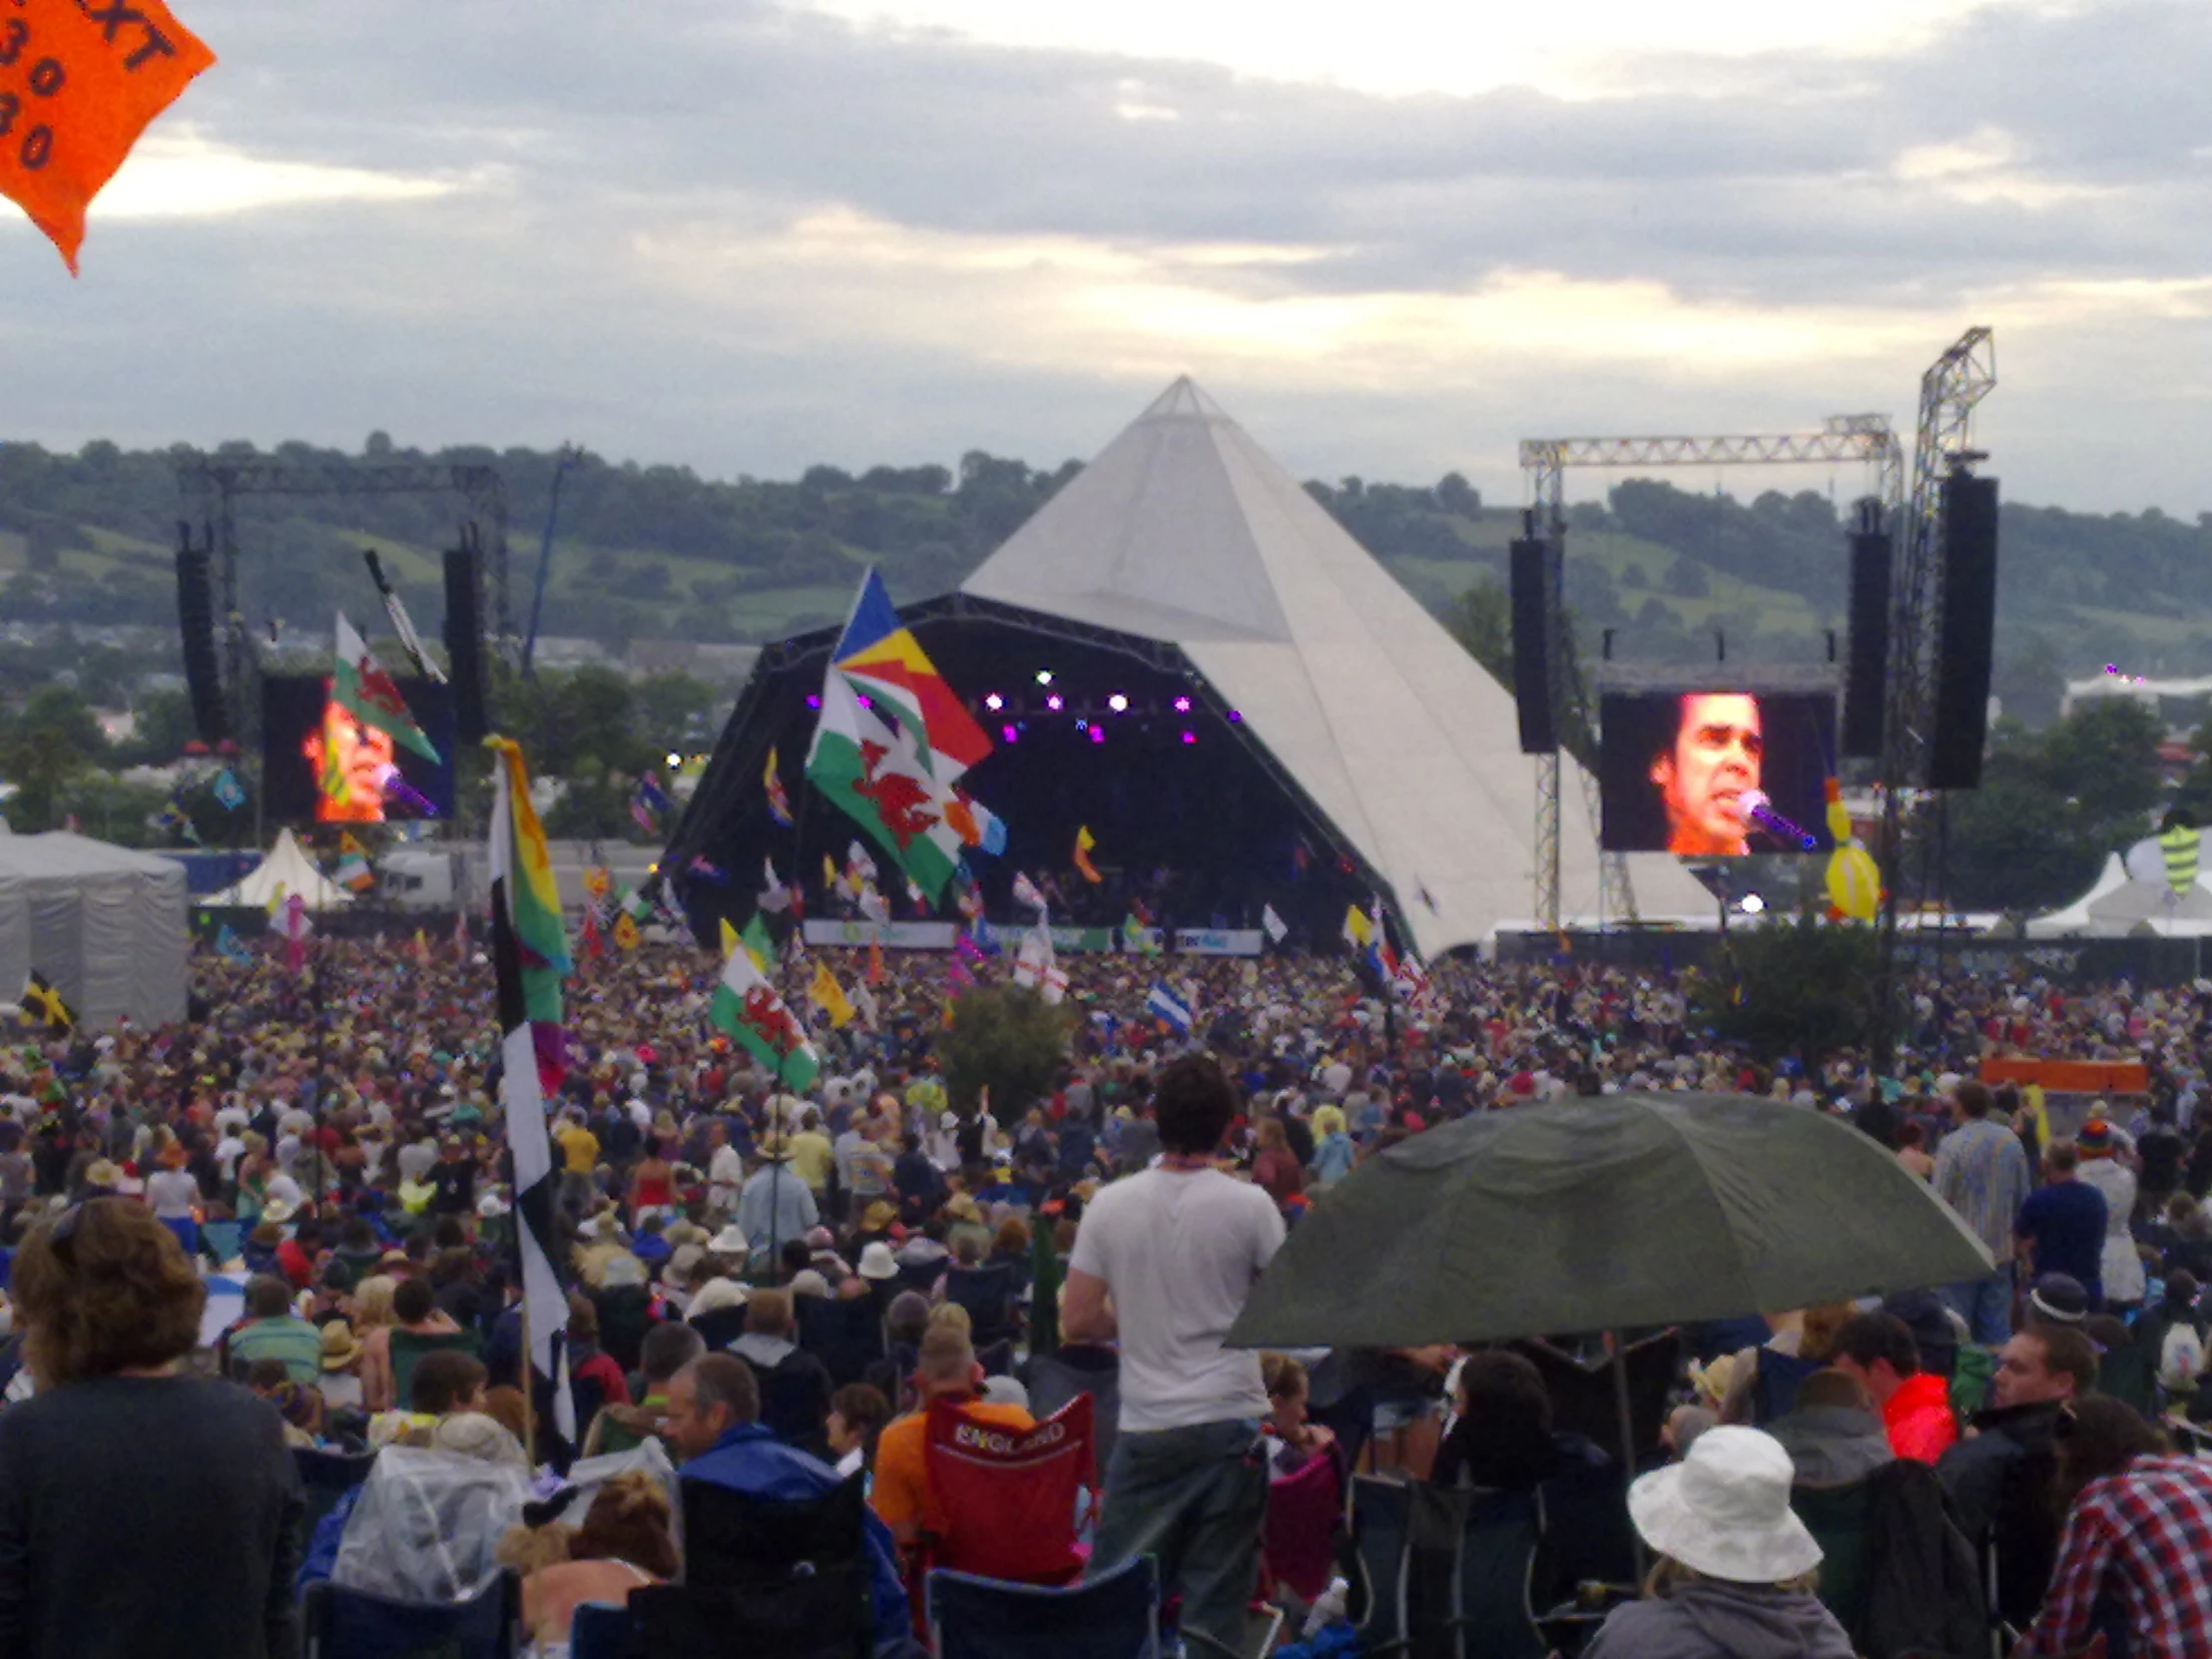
(1715, 758)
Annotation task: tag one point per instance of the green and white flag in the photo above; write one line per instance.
(363, 690)
(747, 1007)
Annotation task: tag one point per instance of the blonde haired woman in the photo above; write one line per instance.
(373, 1320)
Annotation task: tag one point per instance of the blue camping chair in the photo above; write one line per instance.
(1115, 1616)
(599, 1631)
(327, 1478)
(352, 1624)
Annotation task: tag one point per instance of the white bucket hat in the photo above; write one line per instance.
(876, 1263)
(1724, 1511)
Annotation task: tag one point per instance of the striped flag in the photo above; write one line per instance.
(529, 958)
(1163, 1004)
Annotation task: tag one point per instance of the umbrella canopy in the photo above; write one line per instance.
(1600, 1213)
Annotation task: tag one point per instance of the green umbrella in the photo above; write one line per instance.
(1602, 1215)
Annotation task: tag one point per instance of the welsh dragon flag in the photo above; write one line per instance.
(891, 763)
(745, 1005)
(364, 691)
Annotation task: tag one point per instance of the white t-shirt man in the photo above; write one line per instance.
(1179, 1251)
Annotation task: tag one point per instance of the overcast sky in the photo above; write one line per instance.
(1389, 238)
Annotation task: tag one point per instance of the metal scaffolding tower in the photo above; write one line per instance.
(1861, 437)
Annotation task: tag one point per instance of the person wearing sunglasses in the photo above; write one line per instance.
(142, 1511)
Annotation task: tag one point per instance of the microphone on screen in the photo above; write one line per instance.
(1759, 807)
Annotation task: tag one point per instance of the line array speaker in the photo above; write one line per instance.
(1532, 638)
(1866, 670)
(1960, 724)
(195, 623)
(464, 641)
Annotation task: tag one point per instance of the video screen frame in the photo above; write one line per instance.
(1676, 761)
(317, 757)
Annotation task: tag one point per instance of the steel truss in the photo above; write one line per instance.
(1861, 437)
(211, 486)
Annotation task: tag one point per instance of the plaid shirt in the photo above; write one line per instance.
(2145, 1535)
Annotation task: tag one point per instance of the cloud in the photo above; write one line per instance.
(749, 238)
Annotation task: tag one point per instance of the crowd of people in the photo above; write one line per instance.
(329, 1143)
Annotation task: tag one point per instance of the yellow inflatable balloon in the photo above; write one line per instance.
(1854, 883)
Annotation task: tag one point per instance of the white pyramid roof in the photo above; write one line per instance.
(1184, 530)
(287, 867)
(2118, 905)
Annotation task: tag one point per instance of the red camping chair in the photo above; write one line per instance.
(1300, 1543)
(1004, 1499)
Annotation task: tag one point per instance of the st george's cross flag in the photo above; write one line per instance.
(529, 951)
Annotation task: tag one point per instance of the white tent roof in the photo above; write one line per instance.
(292, 871)
(1184, 530)
(2118, 905)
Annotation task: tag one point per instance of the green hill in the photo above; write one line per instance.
(660, 552)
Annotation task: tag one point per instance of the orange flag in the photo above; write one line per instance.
(78, 83)
(1084, 843)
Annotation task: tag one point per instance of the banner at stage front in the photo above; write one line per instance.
(859, 932)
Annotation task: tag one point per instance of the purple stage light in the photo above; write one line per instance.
(1190, 736)
(1054, 702)
(1010, 734)
(1098, 734)
(815, 701)
(1182, 705)
(1234, 717)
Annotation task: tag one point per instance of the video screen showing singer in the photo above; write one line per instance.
(1709, 776)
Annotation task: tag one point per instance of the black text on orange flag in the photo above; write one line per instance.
(79, 81)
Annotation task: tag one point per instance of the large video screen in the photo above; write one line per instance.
(321, 766)
(1716, 774)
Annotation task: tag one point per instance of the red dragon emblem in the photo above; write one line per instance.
(898, 798)
(772, 1021)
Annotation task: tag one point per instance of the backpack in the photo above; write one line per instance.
(1923, 1591)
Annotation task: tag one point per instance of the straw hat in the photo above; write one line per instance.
(1724, 1511)
(340, 1348)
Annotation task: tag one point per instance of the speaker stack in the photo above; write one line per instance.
(1533, 571)
(1866, 668)
(195, 621)
(1960, 724)
(464, 638)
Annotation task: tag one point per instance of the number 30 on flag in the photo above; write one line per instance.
(79, 81)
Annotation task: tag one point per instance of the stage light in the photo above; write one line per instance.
(1044, 677)
(1118, 703)
(995, 702)
(1752, 904)
(1190, 736)
(1098, 734)
(1082, 726)
(1234, 717)
(1054, 702)
(866, 703)
(1182, 705)
(814, 701)
(1010, 734)
(673, 758)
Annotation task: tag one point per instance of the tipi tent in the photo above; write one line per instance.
(285, 870)
(104, 925)
(1185, 531)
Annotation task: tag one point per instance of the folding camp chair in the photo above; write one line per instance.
(1004, 1500)
(340, 1623)
(1114, 1616)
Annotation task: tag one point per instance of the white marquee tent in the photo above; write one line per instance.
(289, 870)
(1184, 530)
(104, 925)
(2117, 906)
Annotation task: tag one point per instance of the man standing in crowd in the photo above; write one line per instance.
(1879, 1349)
(1981, 1172)
(1999, 1478)
(2061, 1226)
(1163, 1264)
